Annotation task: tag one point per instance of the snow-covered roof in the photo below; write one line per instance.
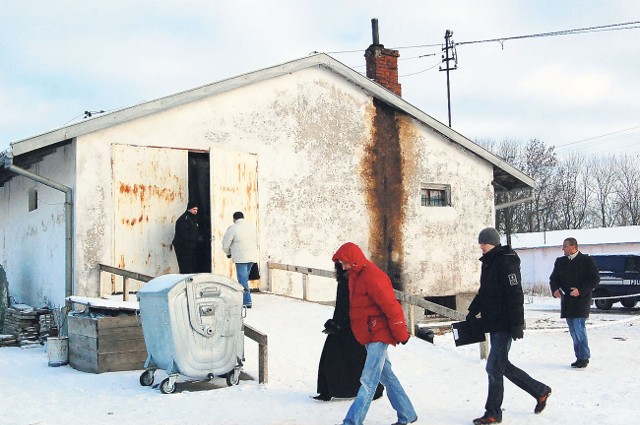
(598, 236)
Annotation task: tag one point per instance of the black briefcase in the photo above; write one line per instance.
(254, 273)
(467, 332)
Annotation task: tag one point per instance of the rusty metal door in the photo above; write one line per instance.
(234, 187)
(150, 193)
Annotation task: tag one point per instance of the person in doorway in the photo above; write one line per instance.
(239, 243)
(187, 239)
(500, 303)
(573, 279)
(377, 321)
(342, 358)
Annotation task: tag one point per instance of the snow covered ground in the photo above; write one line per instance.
(446, 384)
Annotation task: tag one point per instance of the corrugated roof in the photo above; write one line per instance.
(505, 174)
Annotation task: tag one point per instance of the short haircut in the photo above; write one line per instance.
(572, 242)
(237, 215)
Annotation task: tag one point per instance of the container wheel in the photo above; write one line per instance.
(146, 379)
(604, 304)
(629, 302)
(233, 377)
(167, 387)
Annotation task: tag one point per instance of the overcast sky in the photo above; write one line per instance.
(61, 58)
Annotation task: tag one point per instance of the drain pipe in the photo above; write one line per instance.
(68, 215)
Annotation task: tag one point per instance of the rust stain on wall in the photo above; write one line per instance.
(382, 171)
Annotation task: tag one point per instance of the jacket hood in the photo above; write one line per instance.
(351, 253)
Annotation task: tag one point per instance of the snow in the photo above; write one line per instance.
(597, 236)
(446, 384)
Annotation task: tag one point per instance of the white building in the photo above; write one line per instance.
(314, 153)
(538, 251)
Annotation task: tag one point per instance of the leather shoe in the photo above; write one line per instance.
(580, 363)
(404, 423)
(486, 420)
(542, 401)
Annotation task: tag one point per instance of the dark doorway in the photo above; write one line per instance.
(199, 192)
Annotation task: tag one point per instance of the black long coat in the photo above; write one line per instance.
(186, 242)
(581, 273)
(342, 358)
(500, 298)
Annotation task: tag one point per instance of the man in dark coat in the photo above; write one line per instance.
(187, 239)
(342, 358)
(500, 304)
(574, 277)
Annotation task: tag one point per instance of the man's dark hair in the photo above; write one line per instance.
(572, 242)
(237, 215)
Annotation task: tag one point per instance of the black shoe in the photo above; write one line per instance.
(580, 363)
(487, 420)
(248, 305)
(322, 397)
(542, 401)
(404, 423)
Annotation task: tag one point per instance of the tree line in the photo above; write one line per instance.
(573, 192)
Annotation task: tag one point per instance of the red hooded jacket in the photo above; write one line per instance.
(376, 315)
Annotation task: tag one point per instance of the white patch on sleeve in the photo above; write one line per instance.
(513, 279)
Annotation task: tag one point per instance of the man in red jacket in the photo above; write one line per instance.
(377, 321)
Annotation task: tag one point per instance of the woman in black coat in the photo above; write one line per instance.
(342, 358)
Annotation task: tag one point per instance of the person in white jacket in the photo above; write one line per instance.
(239, 243)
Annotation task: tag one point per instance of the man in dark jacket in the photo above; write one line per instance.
(186, 239)
(500, 304)
(377, 321)
(574, 277)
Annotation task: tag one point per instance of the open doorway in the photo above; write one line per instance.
(200, 193)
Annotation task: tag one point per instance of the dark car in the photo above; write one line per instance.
(619, 277)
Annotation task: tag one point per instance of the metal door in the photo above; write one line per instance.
(234, 187)
(150, 193)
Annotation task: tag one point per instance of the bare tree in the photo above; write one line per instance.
(603, 173)
(572, 193)
(628, 190)
(540, 163)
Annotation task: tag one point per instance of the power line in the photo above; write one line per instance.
(501, 40)
(603, 135)
(599, 28)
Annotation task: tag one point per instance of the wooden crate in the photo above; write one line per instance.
(106, 344)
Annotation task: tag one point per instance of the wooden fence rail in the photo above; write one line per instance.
(411, 301)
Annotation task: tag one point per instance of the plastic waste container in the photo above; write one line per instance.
(192, 326)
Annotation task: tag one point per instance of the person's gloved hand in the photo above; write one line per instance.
(228, 255)
(331, 327)
(405, 341)
(517, 332)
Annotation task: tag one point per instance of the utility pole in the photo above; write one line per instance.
(449, 55)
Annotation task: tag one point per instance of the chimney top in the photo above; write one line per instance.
(382, 64)
(374, 31)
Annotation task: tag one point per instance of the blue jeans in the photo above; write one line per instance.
(242, 270)
(498, 367)
(578, 331)
(377, 368)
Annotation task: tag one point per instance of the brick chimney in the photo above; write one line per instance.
(382, 64)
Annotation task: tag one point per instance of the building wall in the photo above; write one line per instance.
(32, 244)
(313, 133)
(441, 242)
